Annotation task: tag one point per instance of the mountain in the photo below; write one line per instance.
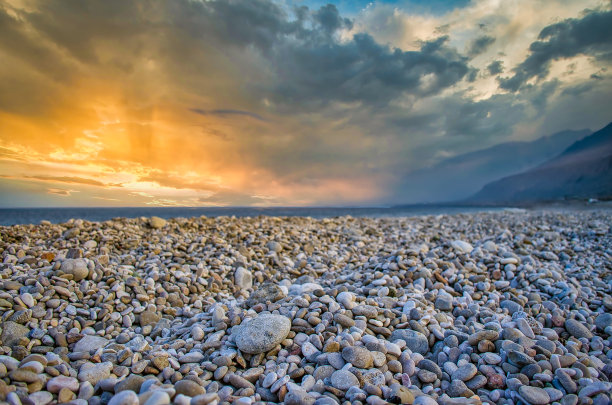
(583, 170)
(461, 176)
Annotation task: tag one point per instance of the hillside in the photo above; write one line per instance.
(471, 171)
(583, 170)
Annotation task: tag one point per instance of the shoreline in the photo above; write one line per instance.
(451, 309)
(59, 215)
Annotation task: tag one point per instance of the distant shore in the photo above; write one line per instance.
(14, 216)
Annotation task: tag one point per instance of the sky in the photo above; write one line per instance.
(281, 102)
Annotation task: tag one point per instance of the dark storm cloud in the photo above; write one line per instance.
(314, 73)
(330, 20)
(590, 35)
(311, 65)
(480, 45)
(496, 67)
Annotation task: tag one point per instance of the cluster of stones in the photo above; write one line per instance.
(503, 308)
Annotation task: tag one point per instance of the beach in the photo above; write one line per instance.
(502, 307)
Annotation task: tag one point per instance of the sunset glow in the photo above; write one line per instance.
(198, 103)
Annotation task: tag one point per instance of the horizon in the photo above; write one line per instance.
(290, 103)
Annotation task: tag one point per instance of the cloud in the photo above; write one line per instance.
(496, 67)
(227, 112)
(67, 179)
(480, 45)
(314, 73)
(590, 35)
(214, 102)
(59, 191)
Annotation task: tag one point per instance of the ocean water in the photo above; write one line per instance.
(13, 216)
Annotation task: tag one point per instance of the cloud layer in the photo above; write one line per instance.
(131, 102)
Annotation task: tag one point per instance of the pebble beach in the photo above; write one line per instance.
(511, 307)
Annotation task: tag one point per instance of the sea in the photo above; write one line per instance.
(14, 216)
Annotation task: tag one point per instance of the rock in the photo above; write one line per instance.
(264, 293)
(485, 334)
(511, 306)
(465, 372)
(401, 395)
(524, 327)
(149, 318)
(462, 246)
(157, 222)
(534, 395)
(24, 376)
(358, 356)
(457, 389)
(41, 397)
(365, 310)
(131, 383)
(595, 388)
(243, 278)
(298, 397)
(12, 333)
(197, 333)
(27, 299)
(124, 398)
(262, 333)
(89, 343)
(415, 341)
(603, 320)
(65, 395)
(444, 302)
(424, 400)
(343, 380)
(274, 246)
(158, 397)
(55, 384)
(95, 372)
(347, 299)
(189, 388)
(577, 329)
(77, 267)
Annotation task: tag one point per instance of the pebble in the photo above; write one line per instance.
(90, 343)
(465, 372)
(55, 384)
(262, 333)
(534, 395)
(415, 341)
(358, 356)
(343, 380)
(577, 329)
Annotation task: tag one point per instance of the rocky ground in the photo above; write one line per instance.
(504, 308)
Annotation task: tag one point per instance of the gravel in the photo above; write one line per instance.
(503, 308)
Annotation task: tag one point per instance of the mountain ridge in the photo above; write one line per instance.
(582, 171)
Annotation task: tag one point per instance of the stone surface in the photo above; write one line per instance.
(76, 267)
(12, 333)
(189, 388)
(243, 278)
(415, 341)
(343, 380)
(90, 343)
(534, 395)
(577, 329)
(267, 292)
(95, 372)
(157, 222)
(359, 356)
(262, 333)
